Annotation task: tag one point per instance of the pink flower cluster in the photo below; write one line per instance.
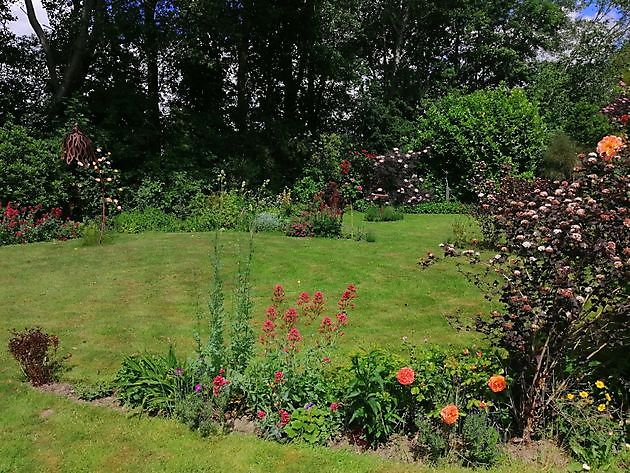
(217, 383)
(32, 223)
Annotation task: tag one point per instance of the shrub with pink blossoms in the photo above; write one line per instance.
(28, 224)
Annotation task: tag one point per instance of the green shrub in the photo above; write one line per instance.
(371, 401)
(387, 213)
(430, 443)
(321, 223)
(91, 234)
(370, 237)
(322, 166)
(465, 233)
(446, 207)
(200, 413)
(326, 224)
(31, 170)
(480, 441)
(586, 124)
(496, 126)
(559, 158)
(311, 425)
(224, 210)
(175, 193)
(148, 219)
(92, 392)
(267, 222)
(306, 187)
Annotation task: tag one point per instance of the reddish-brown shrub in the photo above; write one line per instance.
(36, 352)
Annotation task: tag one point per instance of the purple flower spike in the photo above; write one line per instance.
(198, 388)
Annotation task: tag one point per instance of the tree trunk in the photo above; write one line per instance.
(151, 51)
(242, 99)
(77, 64)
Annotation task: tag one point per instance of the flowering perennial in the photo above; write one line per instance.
(497, 383)
(449, 414)
(405, 376)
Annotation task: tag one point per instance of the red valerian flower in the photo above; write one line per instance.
(342, 318)
(294, 335)
(278, 294)
(268, 326)
(303, 299)
(326, 325)
(272, 313)
(261, 414)
(290, 317)
(334, 406)
(285, 417)
(217, 383)
(346, 298)
(278, 376)
(269, 331)
(405, 376)
(318, 298)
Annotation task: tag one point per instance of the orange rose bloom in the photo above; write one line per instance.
(609, 146)
(405, 376)
(497, 383)
(449, 414)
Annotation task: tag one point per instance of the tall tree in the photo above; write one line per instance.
(67, 67)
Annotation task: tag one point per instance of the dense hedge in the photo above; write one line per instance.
(496, 126)
(31, 171)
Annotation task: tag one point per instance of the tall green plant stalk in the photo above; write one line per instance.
(213, 354)
(242, 336)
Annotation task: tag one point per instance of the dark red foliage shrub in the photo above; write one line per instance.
(619, 110)
(301, 228)
(330, 199)
(394, 179)
(563, 271)
(36, 352)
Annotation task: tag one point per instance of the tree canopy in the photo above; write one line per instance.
(249, 85)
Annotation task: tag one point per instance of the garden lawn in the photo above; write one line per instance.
(141, 292)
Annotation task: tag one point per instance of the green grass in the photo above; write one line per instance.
(140, 292)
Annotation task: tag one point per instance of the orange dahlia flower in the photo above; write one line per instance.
(405, 376)
(609, 146)
(449, 414)
(497, 383)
